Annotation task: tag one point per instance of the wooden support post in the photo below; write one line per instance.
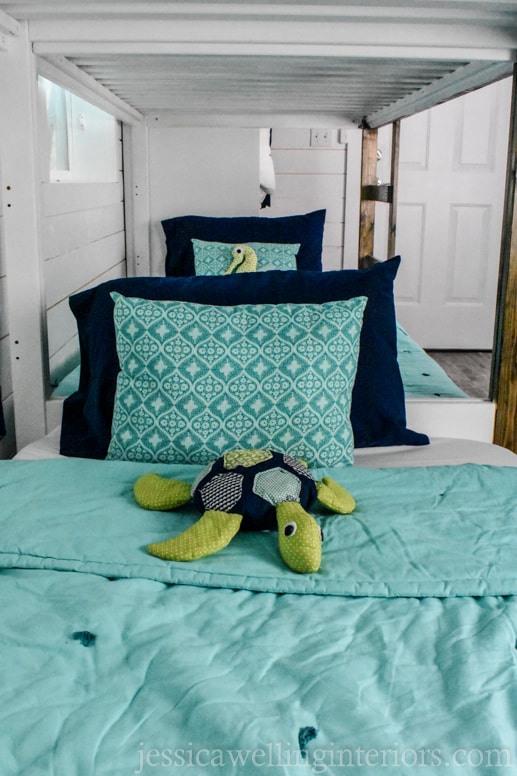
(21, 238)
(372, 192)
(394, 175)
(504, 366)
(367, 207)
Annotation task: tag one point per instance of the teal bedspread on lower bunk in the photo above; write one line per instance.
(399, 655)
(67, 385)
(421, 375)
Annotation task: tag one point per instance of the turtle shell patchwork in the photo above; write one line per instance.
(251, 483)
(249, 490)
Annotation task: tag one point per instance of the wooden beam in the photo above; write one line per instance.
(394, 176)
(504, 374)
(367, 206)
(380, 192)
(372, 192)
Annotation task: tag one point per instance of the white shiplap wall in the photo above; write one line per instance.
(56, 239)
(201, 171)
(310, 178)
(82, 244)
(82, 239)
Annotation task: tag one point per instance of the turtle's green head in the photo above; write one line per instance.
(299, 538)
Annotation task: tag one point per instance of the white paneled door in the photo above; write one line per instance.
(450, 204)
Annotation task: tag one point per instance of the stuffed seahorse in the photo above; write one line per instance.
(244, 260)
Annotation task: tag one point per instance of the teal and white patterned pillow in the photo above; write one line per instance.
(214, 258)
(199, 380)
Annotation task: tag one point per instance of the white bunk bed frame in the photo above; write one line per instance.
(243, 64)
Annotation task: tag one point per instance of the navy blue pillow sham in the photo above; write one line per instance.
(306, 229)
(378, 409)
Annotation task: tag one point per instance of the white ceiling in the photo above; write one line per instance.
(253, 61)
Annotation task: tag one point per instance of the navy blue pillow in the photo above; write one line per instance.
(305, 229)
(378, 409)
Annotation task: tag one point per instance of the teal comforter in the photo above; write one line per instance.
(422, 376)
(398, 656)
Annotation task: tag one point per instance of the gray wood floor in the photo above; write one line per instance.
(470, 369)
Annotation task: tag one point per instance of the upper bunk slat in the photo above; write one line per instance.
(454, 84)
(382, 60)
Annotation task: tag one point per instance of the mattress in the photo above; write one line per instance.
(441, 451)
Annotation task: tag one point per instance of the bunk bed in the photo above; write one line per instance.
(398, 653)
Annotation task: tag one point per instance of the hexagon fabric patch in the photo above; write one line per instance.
(277, 485)
(197, 381)
(298, 466)
(222, 492)
(245, 458)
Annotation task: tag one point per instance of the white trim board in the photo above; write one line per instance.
(459, 418)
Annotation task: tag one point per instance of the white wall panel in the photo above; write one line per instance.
(82, 243)
(65, 232)
(65, 275)
(63, 344)
(311, 178)
(200, 171)
(62, 340)
(311, 160)
(58, 198)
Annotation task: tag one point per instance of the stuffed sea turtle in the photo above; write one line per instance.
(247, 490)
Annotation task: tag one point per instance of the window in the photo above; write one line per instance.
(81, 143)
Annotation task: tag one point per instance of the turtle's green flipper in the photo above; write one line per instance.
(335, 497)
(299, 537)
(213, 531)
(155, 492)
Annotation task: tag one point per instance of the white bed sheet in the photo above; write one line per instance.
(440, 452)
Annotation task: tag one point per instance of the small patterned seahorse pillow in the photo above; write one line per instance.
(214, 258)
(198, 380)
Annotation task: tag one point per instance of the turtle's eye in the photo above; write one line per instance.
(239, 251)
(290, 529)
